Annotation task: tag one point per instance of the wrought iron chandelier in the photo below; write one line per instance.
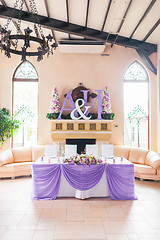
(20, 43)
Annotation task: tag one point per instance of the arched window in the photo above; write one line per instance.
(136, 84)
(25, 104)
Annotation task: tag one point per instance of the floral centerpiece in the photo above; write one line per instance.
(106, 105)
(83, 159)
(54, 105)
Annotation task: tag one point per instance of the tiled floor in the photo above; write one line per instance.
(100, 218)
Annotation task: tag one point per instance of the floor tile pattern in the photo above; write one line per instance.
(68, 218)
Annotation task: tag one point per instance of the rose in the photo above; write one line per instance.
(83, 159)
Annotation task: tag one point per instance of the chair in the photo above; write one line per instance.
(51, 150)
(92, 149)
(107, 151)
(70, 150)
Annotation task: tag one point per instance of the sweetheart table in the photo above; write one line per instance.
(51, 178)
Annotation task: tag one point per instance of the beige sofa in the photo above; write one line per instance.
(146, 163)
(17, 161)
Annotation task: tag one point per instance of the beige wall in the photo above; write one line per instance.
(66, 71)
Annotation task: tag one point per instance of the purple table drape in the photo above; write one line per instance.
(45, 181)
(120, 181)
(82, 177)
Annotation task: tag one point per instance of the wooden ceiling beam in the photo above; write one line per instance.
(123, 19)
(70, 28)
(16, 25)
(26, 5)
(3, 3)
(14, 22)
(107, 12)
(67, 9)
(146, 60)
(87, 12)
(144, 15)
(47, 8)
(152, 29)
(48, 14)
(54, 24)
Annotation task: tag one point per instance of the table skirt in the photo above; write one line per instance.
(81, 181)
(100, 190)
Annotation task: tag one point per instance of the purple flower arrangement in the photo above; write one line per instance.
(106, 103)
(83, 159)
(55, 105)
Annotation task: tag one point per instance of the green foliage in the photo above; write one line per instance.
(7, 126)
(52, 115)
(108, 116)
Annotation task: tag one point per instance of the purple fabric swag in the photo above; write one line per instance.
(82, 177)
(120, 181)
(45, 181)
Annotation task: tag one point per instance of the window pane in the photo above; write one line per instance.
(135, 94)
(25, 108)
(136, 73)
(136, 108)
(26, 71)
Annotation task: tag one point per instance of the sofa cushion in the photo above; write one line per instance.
(121, 151)
(137, 155)
(144, 169)
(22, 154)
(37, 151)
(25, 166)
(16, 169)
(153, 159)
(6, 157)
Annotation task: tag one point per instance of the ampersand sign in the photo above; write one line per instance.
(78, 109)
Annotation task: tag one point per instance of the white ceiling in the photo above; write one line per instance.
(96, 16)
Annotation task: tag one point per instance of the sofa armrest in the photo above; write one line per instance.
(153, 159)
(121, 151)
(37, 151)
(6, 157)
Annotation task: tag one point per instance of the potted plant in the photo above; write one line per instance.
(8, 126)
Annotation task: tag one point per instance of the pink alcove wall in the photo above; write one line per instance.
(66, 71)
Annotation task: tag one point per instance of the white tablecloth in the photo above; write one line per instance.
(100, 190)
